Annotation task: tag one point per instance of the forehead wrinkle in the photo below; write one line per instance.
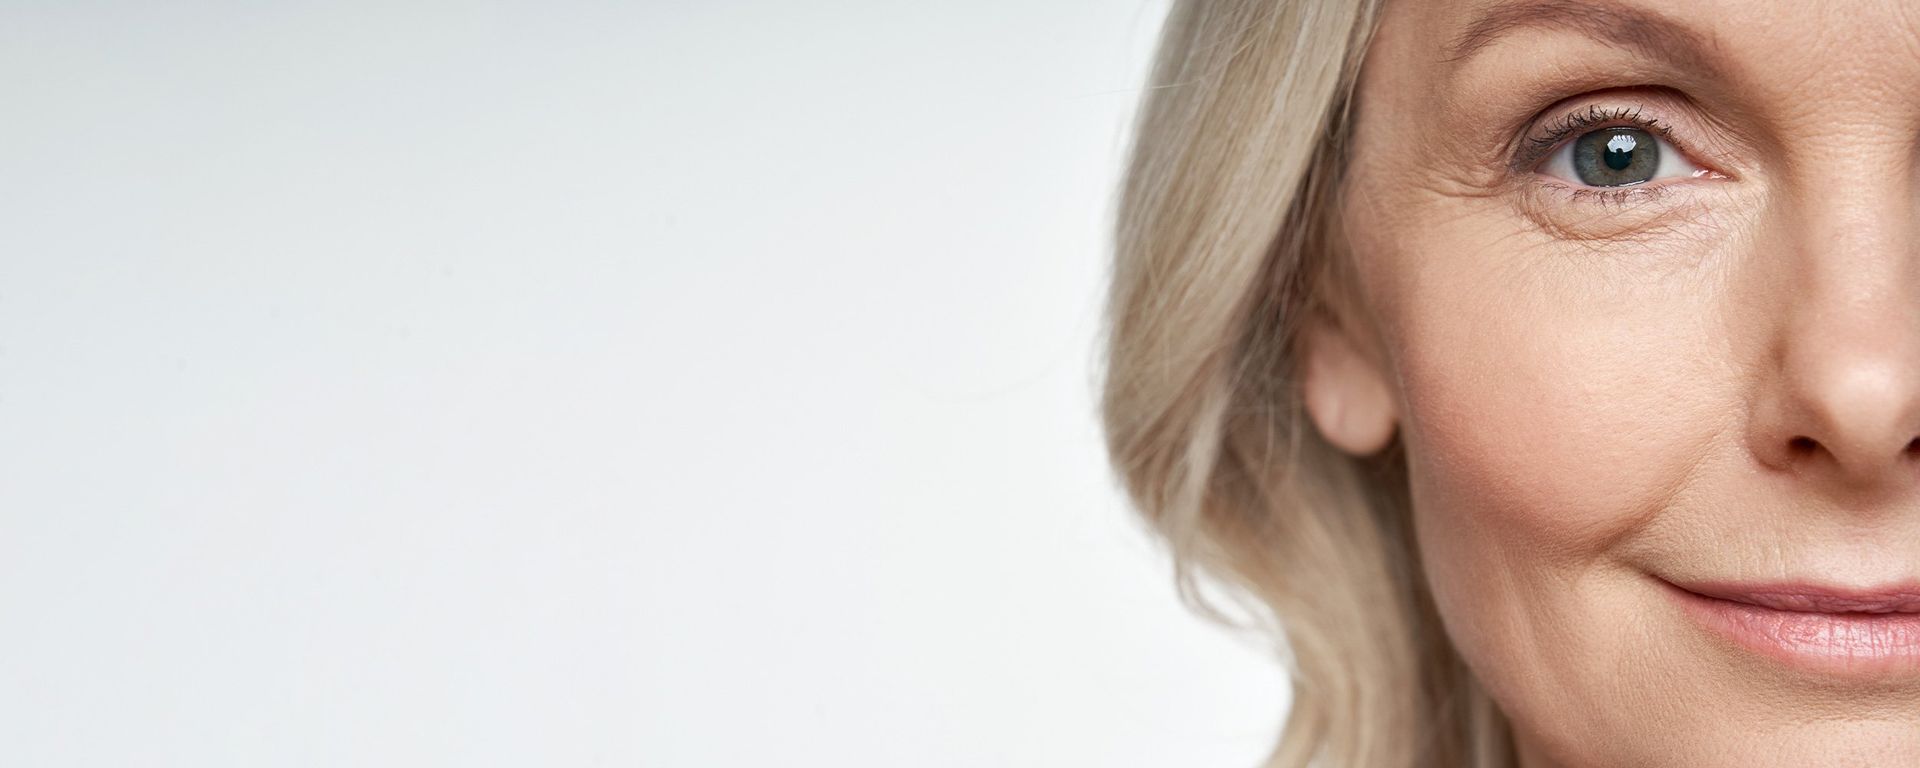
(1637, 30)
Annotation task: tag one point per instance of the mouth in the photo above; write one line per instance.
(1816, 628)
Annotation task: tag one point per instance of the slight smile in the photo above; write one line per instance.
(1863, 633)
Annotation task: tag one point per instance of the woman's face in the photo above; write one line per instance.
(1641, 284)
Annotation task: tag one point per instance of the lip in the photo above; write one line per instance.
(1827, 630)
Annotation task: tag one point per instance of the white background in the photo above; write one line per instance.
(570, 383)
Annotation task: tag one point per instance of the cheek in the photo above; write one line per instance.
(1547, 426)
(1552, 406)
(1554, 434)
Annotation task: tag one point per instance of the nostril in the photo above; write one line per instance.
(1802, 446)
(1914, 446)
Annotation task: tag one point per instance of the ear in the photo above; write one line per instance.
(1346, 394)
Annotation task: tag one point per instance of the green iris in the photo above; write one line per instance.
(1615, 157)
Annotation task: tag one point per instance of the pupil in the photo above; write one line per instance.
(1620, 151)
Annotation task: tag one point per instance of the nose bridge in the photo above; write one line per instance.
(1845, 398)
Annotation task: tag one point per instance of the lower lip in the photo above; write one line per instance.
(1869, 644)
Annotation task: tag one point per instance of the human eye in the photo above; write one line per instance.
(1617, 157)
(1608, 149)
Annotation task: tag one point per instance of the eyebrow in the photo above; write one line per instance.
(1617, 25)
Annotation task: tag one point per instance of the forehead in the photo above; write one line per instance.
(1761, 48)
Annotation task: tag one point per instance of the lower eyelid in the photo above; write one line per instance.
(1549, 200)
(1649, 190)
(1636, 192)
(1662, 209)
(1602, 214)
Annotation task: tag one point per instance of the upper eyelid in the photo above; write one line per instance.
(1534, 148)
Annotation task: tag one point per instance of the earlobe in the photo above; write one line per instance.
(1345, 394)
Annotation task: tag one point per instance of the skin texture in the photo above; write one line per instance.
(1711, 377)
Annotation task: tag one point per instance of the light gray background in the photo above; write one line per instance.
(571, 383)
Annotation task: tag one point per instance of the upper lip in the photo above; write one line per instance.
(1813, 598)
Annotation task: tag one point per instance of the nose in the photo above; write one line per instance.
(1839, 401)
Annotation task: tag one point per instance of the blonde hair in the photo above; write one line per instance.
(1225, 241)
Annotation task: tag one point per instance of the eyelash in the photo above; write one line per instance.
(1536, 149)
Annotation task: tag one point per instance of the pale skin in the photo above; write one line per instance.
(1712, 375)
